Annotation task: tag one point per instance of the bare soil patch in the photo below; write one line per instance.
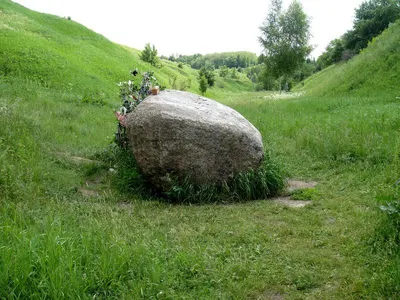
(294, 185)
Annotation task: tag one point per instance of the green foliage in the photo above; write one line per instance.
(203, 84)
(234, 74)
(263, 183)
(132, 94)
(208, 73)
(375, 71)
(371, 18)
(391, 222)
(332, 55)
(149, 54)
(217, 60)
(223, 71)
(285, 36)
(305, 194)
(181, 84)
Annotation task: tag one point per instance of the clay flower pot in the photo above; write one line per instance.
(155, 90)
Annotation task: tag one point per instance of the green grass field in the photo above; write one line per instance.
(68, 232)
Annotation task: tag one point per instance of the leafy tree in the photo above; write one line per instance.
(208, 73)
(149, 54)
(285, 36)
(234, 73)
(333, 53)
(371, 18)
(223, 71)
(203, 84)
(307, 69)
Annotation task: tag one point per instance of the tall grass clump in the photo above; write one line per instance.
(385, 244)
(265, 182)
(19, 154)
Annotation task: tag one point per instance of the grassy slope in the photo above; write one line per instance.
(58, 242)
(375, 71)
(64, 55)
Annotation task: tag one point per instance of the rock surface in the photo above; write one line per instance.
(179, 133)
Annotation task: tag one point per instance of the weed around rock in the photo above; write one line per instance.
(265, 182)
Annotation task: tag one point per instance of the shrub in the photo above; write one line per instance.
(131, 94)
(223, 71)
(149, 54)
(208, 73)
(203, 85)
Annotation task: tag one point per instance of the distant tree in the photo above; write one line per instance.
(208, 73)
(203, 84)
(333, 53)
(285, 37)
(234, 73)
(149, 54)
(307, 69)
(223, 71)
(240, 59)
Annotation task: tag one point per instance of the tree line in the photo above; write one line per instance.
(371, 18)
(240, 59)
(285, 38)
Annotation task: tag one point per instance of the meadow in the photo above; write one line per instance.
(69, 231)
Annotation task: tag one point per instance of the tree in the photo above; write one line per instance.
(208, 72)
(332, 55)
(149, 54)
(223, 71)
(203, 84)
(285, 37)
(371, 18)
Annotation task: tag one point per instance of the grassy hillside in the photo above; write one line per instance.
(64, 55)
(375, 71)
(68, 232)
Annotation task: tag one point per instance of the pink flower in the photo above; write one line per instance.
(121, 118)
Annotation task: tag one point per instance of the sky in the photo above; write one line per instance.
(189, 27)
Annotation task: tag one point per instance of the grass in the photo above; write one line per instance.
(57, 241)
(376, 71)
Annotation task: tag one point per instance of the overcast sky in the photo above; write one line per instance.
(188, 27)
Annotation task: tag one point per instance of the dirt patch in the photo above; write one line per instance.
(77, 160)
(88, 193)
(287, 201)
(294, 185)
(298, 184)
(271, 296)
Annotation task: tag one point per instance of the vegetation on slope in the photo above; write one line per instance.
(62, 54)
(375, 71)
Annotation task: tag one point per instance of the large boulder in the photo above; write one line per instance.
(181, 134)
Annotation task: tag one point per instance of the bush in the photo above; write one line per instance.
(203, 84)
(208, 73)
(132, 93)
(149, 54)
